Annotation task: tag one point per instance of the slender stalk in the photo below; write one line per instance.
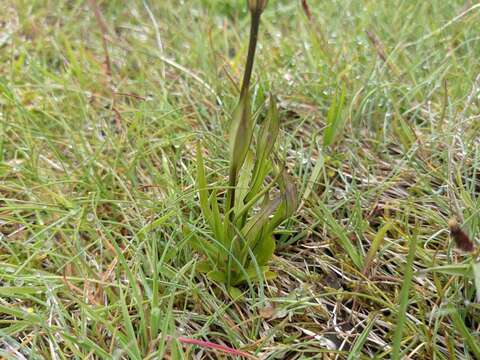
(247, 75)
(252, 47)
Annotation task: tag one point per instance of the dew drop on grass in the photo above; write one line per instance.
(90, 217)
(18, 282)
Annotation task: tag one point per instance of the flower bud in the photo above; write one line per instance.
(257, 6)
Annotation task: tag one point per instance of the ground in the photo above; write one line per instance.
(101, 107)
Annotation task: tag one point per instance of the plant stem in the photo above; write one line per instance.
(247, 75)
(252, 47)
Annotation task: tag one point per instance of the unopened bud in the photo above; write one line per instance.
(257, 6)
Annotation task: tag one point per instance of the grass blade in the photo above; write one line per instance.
(376, 243)
(335, 120)
(356, 350)
(472, 343)
(339, 231)
(202, 186)
(404, 297)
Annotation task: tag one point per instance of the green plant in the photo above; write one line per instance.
(242, 240)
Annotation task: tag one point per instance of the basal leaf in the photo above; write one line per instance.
(264, 249)
(241, 134)
(217, 276)
(254, 226)
(244, 181)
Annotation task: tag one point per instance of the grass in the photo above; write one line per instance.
(379, 124)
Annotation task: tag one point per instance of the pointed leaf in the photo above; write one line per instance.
(217, 276)
(216, 218)
(204, 266)
(254, 226)
(252, 274)
(241, 134)
(335, 119)
(202, 187)
(269, 131)
(235, 293)
(264, 249)
(266, 141)
(243, 181)
(376, 243)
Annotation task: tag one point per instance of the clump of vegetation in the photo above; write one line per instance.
(100, 106)
(242, 240)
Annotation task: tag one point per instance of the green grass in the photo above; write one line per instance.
(381, 136)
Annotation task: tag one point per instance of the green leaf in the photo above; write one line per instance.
(339, 231)
(253, 227)
(204, 266)
(356, 351)
(4, 169)
(376, 243)
(476, 274)
(264, 249)
(473, 344)
(404, 133)
(252, 273)
(204, 246)
(19, 291)
(134, 348)
(268, 132)
(216, 219)
(269, 275)
(253, 200)
(243, 182)
(235, 293)
(240, 138)
(404, 297)
(202, 187)
(156, 223)
(217, 276)
(266, 141)
(290, 195)
(155, 321)
(335, 119)
(453, 270)
(241, 134)
(319, 165)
